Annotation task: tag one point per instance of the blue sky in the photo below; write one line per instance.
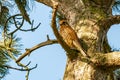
(51, 59)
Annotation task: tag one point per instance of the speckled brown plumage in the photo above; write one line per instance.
(70, 37)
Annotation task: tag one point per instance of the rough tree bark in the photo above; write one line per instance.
(91, 19)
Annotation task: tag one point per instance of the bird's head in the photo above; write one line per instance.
(62, 22)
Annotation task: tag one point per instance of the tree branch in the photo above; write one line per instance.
(70, 10)
(70, 52)
(109, 60)
(46, 2)
(12, 17)
(24, 67)
(10, 67)
(109, 21)
(28, 51)
(32, 28)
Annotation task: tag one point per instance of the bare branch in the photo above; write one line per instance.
(24, 67)
(18, 27)
(32, 28)
(70, 52)
(11, 17)
(10, 67)
(109, 21)
(56, 33)
(28, 51)
(15, 22)
(28, 64)
(48, 37)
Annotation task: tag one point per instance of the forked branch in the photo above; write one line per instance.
(28, 51)
(18, 22)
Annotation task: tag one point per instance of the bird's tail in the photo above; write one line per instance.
(79, 47)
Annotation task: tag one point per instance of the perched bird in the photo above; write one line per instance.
(70, 37)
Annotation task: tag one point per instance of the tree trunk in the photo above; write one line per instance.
(94, 40)
(90, 20)
(78, 70)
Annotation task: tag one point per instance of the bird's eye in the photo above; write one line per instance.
(63, 22)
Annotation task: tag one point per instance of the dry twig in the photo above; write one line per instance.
(28, 51)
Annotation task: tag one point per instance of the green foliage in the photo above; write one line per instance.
(4, 14)
(9, 44)
(3, 61)
(21, 6)
(8, 47)
(16, 46)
